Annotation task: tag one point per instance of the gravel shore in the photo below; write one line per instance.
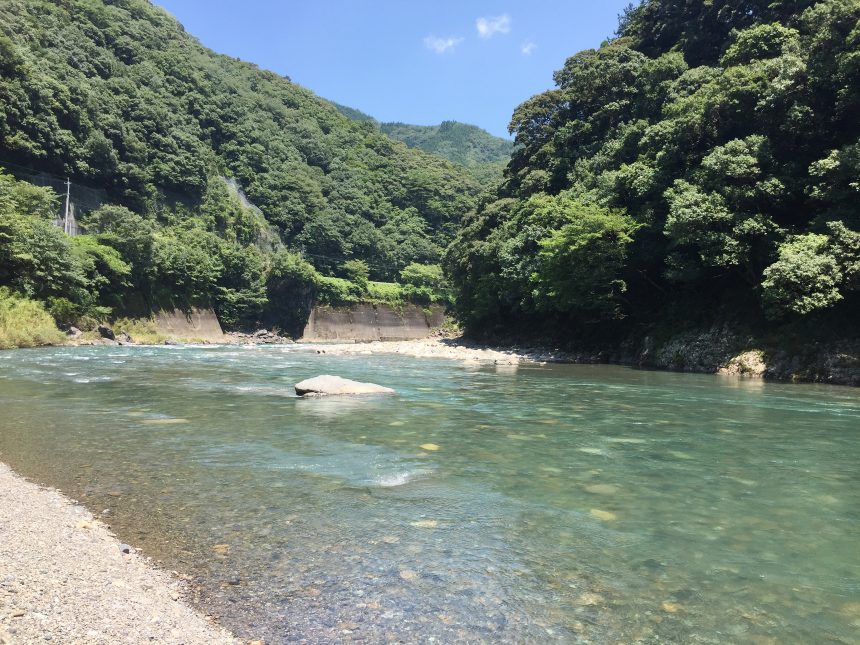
(455, 349)
(64, 579)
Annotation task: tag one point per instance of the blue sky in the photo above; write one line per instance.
(403, 60)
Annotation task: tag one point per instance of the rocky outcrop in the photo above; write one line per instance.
(260, 337)
(105, 332)
(368, 322)
(326, 384)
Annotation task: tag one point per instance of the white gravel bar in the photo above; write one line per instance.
(64, 579)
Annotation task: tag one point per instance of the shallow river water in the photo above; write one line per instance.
(539, 504)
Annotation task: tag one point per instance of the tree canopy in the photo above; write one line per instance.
(117, 95)
(707, 154)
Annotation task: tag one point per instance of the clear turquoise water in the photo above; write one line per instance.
(564, 503)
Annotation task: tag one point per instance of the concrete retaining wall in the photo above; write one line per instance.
(198, 324)
(363, 323)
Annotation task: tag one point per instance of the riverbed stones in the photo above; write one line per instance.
(589, 599)
(328, 385)
(606, 516)
(602, 489)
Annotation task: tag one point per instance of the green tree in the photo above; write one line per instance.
(356, 271)
(805, 278)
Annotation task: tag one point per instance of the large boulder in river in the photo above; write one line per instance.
(326, 384)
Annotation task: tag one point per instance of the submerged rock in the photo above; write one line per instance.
(327, 385)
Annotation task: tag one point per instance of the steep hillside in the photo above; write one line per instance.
(117, 95)
(468, 145)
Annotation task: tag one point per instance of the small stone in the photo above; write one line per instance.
(174, 595)
(602, 489)
(391, 539)
(592, 451)
(83, 524)
(125, 548)
(670, 607)
(425, 524)
(606, 516)
(221, 549)
(589, 599)
(18, 613)
(408, 575)
(432, 447)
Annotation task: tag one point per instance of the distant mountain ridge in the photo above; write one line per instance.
(461, 143)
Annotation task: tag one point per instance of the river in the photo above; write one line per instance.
(481, 503)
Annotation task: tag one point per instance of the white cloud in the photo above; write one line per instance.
(489, 27)
(528, 48)
(441, 45)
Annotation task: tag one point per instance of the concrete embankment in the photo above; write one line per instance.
(368, 322)
(198, 324)
(65, 578)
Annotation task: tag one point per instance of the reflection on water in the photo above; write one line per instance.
(538, 504)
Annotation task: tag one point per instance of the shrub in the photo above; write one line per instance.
(356, 271)
(388, 293)
(805, 277)
(25, 323)
(338, 291)
(141, 330)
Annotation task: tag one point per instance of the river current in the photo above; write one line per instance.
(481, 503)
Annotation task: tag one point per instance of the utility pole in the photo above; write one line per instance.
(66, 215)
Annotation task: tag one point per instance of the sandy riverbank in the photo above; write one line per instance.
(64, 579)
(456, 349)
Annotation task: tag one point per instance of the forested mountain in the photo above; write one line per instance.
(468, 145)
(117, 96)
(702, 165)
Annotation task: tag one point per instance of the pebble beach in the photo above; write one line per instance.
(65, 578)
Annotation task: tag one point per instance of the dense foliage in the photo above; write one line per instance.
(468, 145)
(128, 263)
(462, 143)
(117, 95)
(705, 161)
(25, 323)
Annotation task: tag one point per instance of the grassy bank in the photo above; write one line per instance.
(26, 323)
